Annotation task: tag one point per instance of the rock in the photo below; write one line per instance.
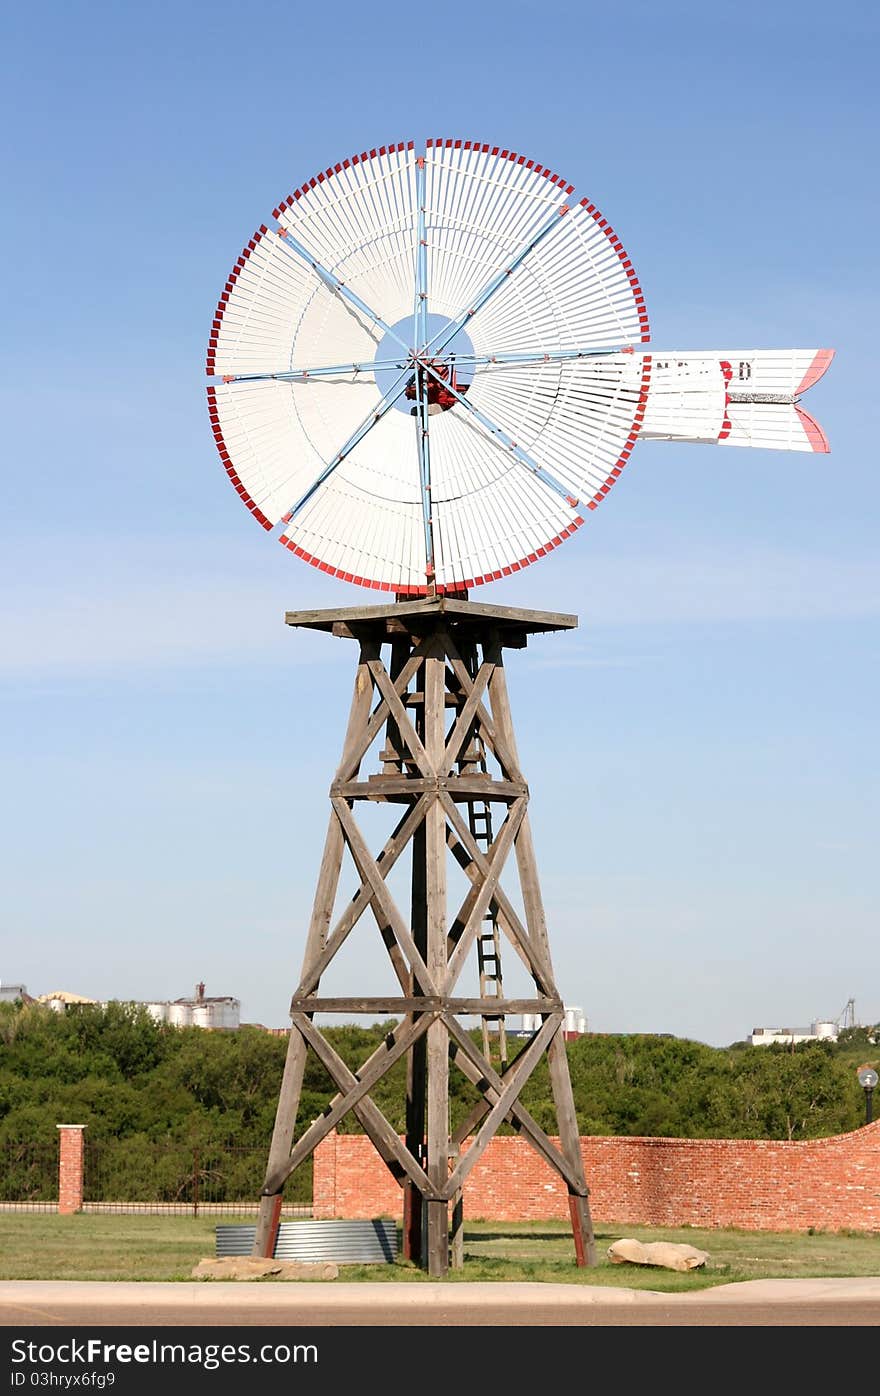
(247, 1267)
(664, 1253)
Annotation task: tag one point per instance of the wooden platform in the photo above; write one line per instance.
(512, 623)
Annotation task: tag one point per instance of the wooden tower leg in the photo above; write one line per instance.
(456, 1232)
(294, 1066)
(414, 1234)
(416, 1067)
(437, 1208)
(325, 895)
(560, 1079)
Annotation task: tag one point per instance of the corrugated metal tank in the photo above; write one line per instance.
(226, 1013)
(180, 1014)
(346, 1242)
(216, 1013)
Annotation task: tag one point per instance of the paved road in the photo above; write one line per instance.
(760, 1303)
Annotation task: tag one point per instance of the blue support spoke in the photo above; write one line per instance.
(372, 366)
(420, 306)
(420, 322)
(388, 401)
(516, 451)
(442, 337)
(424, 454)
(535, 356)
(302, 375)
(338, 287)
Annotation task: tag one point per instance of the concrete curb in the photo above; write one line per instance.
(308, 1295)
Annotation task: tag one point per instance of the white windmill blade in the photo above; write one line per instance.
(296, 295)
(274, 312)
(357, 221)
(492, 515)
(365, 524)
(276, 438)
(736, 397)
(576, 285)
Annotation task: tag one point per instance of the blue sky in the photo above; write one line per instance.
(167, 742)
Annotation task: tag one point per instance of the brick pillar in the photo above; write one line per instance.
(70, 1168)
(324, 1177)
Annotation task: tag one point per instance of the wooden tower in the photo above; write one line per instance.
(430, 692)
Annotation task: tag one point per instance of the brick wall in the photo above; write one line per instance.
(70, 1167)
(756, 1185)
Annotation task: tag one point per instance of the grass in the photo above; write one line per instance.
(45, 1246)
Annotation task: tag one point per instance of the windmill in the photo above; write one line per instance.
(425, 373)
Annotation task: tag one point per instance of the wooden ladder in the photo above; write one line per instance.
(489, 936)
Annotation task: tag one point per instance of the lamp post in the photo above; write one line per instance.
(867, 1080)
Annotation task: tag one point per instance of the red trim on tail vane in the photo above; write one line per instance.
(814, 372)
(817, 438)
(726, 425)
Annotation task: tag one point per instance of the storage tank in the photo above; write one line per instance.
(158, 1012)
(531, 1022)
(216, 1013)
(227, 1013)
(180, 1014)
(826, 1029)
(575, 1020)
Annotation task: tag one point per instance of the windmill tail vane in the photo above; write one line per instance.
(432, 364)
(736, 397)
